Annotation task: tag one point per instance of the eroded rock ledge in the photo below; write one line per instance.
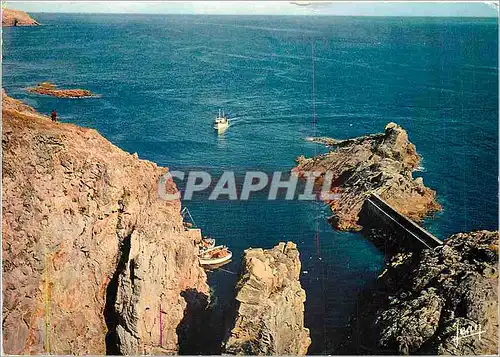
(47, 88)
(270, 304)
(379, 163)
(17, 18)
(88, 248)
(420, 299)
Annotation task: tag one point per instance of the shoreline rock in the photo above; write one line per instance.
(91, 257)
(269, 317)
(379, 163)
(330, 142)
(421, 298)
(47, 88)
(13, 18)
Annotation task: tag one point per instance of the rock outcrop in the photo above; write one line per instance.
(379, 163)
(47, 88)
(17, 18)
(422, 300)
(89, 252)
(269, 317)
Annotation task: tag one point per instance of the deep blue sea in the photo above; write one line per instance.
(162, 79)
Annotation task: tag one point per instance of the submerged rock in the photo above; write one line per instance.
(17, 18)
(269, 318)
(47, 88)
(423, 300)
(378, 163)
(92, 259)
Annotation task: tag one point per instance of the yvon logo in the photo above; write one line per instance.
(471, 330)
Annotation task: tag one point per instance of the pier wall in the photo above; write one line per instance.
(405, 233)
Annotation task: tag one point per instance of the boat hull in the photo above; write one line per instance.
(206, 245)
(221, 127)
(216, 260)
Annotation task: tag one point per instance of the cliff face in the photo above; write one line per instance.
(17, 18)
(421, 300)
(379, 163)
(270, 305)
(88, 248)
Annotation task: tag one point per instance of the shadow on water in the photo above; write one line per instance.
(201, 330)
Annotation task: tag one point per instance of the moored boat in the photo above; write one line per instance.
(206, 243)
(215, 255)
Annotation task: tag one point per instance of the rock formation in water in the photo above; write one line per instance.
(17, 18)
(380, 163)
(421, 299)
(89, 250)
(47, 88)
(269, 318)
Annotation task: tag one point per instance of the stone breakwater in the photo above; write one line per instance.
(269, 316)
(423, 301)
(47, 88)
(379, 163)
(92, 259)
(17, 18)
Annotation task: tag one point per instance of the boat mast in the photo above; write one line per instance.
(185, 211)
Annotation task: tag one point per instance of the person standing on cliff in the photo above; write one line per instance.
(53, 115)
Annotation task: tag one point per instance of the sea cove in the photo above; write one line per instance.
(161, 80)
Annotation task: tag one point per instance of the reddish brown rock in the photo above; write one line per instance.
(47, 88)
(380, 163)
(17, 18)
(87, 245)
(269, 305)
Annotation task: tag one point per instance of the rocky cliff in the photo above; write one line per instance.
(379, 163)
(269, 317)
(93, 261)
(17, 18)
(422, 300)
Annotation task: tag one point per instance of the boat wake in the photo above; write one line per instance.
(238, 121)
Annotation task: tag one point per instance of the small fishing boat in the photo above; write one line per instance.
(206, 243)
(221, 122)
(215, 255)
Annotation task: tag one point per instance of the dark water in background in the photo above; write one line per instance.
(163, 78)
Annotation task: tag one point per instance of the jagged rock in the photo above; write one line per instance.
(17, 18)
(340, 143)
(47, 88)
(270, 305)
(421, 299)
(378, 163)
(87, 245)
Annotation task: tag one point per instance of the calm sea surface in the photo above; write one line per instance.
(162, 79)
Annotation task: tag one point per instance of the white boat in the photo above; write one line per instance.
(221, 122)
(215, 255)
(206, 243)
